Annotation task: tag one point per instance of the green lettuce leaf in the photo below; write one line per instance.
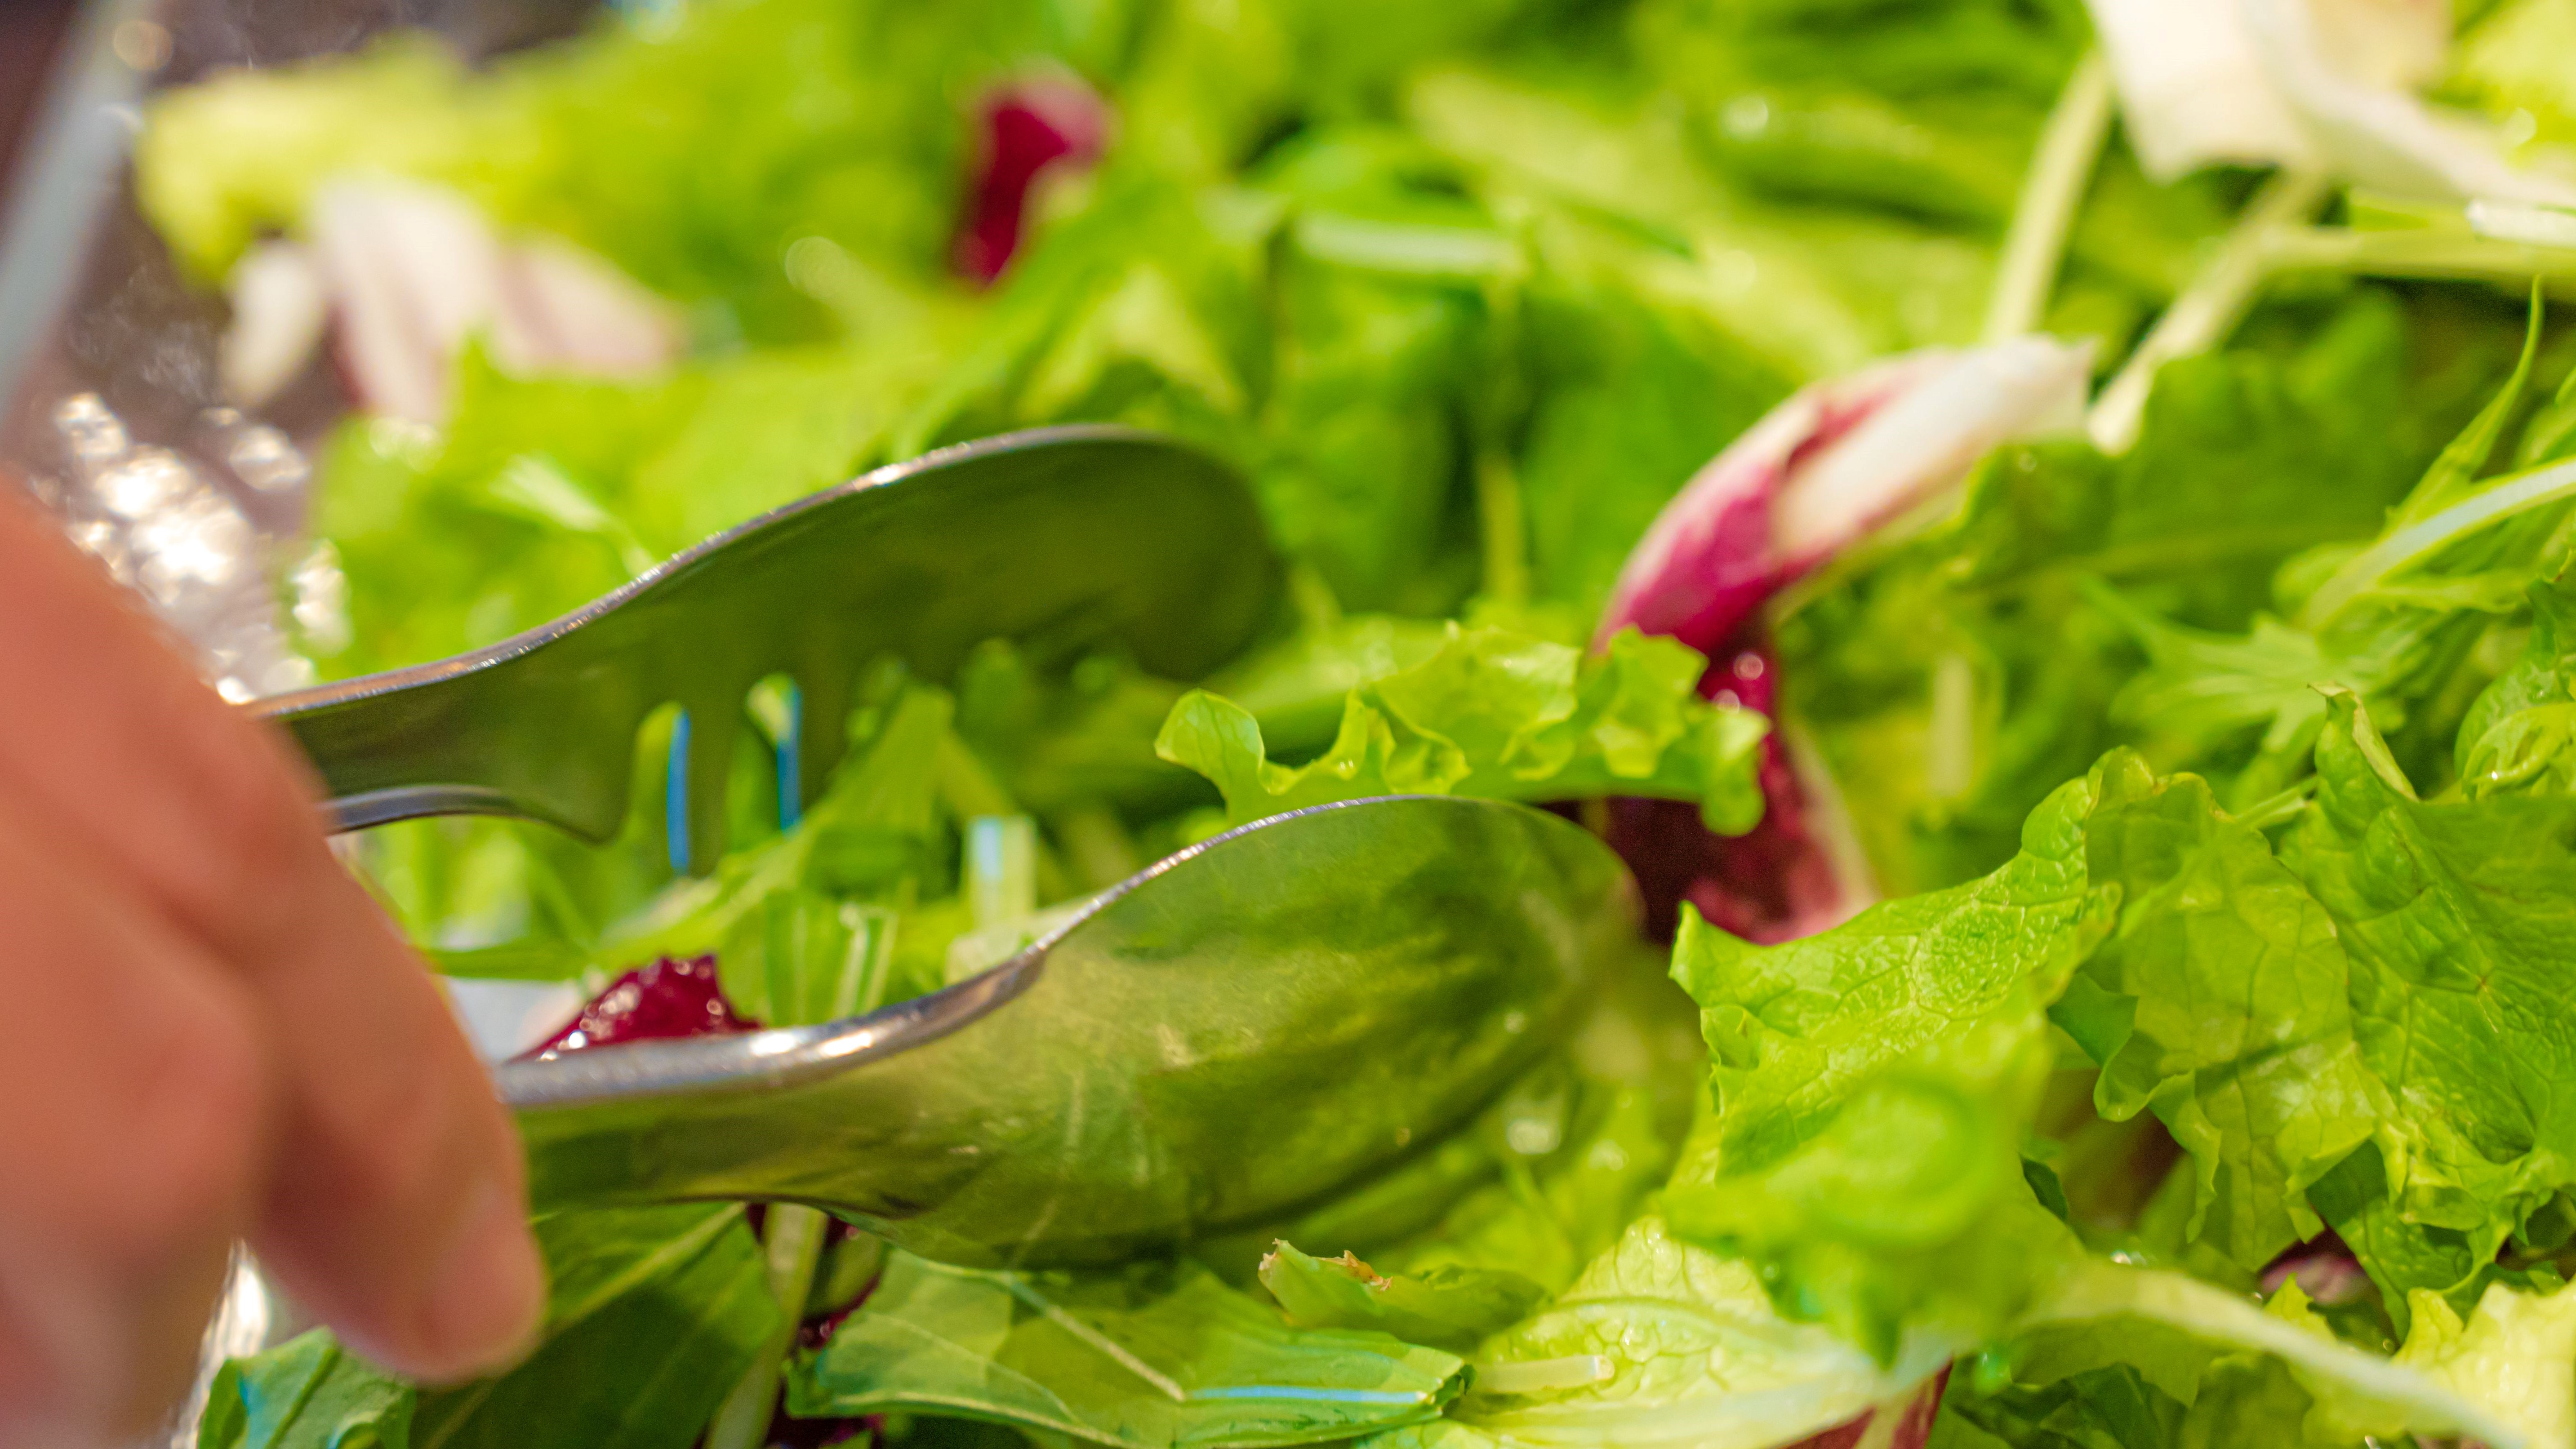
(543, 493)
(1151, 1357)
(306, 1391)
(1872, 1086)
(1661, 1342)
(1501, 715)
(1952, 683)
(2145, 1358)
(604, 141)
(2397, 620)
(1296, 687)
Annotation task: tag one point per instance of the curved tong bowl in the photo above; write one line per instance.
(1059, 538)
(1254, 1021)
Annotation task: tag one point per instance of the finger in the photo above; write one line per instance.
(135, 1122)
(396, 1210)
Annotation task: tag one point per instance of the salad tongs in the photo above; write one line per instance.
(1241, 1026)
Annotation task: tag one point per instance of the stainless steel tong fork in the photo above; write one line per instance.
(1061, 538)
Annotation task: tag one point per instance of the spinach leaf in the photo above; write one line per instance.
(1155, 1356)
(1445, 1307)
(651, 1315)
(306, 1391)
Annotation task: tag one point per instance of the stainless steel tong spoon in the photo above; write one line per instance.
(1244, 1025)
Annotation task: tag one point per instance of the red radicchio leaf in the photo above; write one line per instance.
(1026, 128)
(1714, 555)
(2325, 1268)
(787, 1433)
(665, 1000)
(1773, 883)
(1824, 468)
(1913, 1426)
(1701, 575)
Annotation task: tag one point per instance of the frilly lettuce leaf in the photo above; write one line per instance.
(2221, 1005)
(1872, 1087)
(1501, 715)
(1962, 975)
(1157, 1356)
(1297, 687)
(2515, 1356)
(2457, 918)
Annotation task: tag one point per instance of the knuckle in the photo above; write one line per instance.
(267, 832)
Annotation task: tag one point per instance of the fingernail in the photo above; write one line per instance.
(489, 1288)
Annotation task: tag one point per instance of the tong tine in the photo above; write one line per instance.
(703, 756)
(699, 789)
(822, 726)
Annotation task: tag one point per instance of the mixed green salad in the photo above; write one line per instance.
(2097, 745)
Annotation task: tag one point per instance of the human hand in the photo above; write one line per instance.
(208, 1032)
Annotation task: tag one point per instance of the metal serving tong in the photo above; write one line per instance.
(1242, 1026)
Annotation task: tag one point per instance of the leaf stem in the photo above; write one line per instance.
(795, 1243)
(2208, 309)
(2438, 255)
(2061, 170)
(969, 788)
(1506, 531)
(1097, 848)
(2510, 498)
